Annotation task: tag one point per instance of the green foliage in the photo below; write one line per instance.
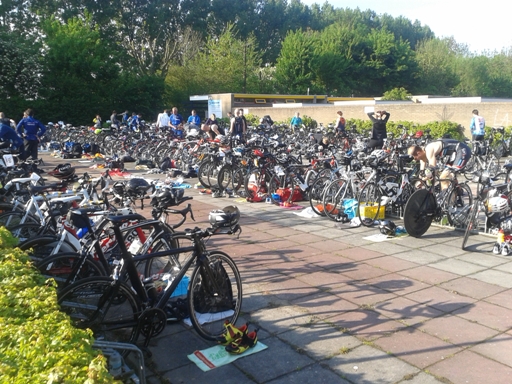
(38, 344)
(309, 122)
(252, 120)
(397, 94)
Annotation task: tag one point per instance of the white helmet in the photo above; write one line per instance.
(498, 204)
(380, 154)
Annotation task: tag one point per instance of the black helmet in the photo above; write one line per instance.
(387, 227)
(226, 217)
(137, 187)
(168, 197)
(63, 172)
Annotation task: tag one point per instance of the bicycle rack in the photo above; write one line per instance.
(136, 359)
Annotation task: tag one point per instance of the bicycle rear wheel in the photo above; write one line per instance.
(109, 309)
(458, 204)
(471, 223)
(419, 212)
(214, 295)
(369, 204)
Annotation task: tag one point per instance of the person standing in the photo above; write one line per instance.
(114, 123)
(176, 122)
(296, 121)
(31, 130)
(340, 123)
(238, 125)
(477, 126)
(163, 120)
(7, 134)
(379, 129)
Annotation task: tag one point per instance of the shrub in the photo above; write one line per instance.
(38, 343)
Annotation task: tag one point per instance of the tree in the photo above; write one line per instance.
(293, 69)
(436, 73)
(397, 94)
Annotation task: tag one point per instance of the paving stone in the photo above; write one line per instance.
(364, 272)
(324, 305)
(416, 347)
(325, 280)
(421, 378)
(173, 354)
(388, 249)
(469, 367)
(313, 374)
(335, 234)
(498, 348)
(487, 314)
(290, 289)
(472, 287)
(503, 299)
(305, 238)
(492, 276)
(457, 266)
(362, 294)
(397, 284)
(320, 340)
(506, 267)
(278, 359)
(296, 268)
(444, 249)
(367, 365)
(332, 262)
(192, 374)
(407, 311)
(359, 253)
(329, 245)
(441, 299)
(429, 275)
(457, 331)
(281, 318)
(391, 263)
(353, 239)
(483, 260)
(367, 325)
(419, 257)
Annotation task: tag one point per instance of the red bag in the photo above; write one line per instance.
(284, 193)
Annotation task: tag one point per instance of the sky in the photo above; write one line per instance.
(482, 25)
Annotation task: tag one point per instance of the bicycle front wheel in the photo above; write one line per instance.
(109, 309)
(214, 295)
(419, 212)
(457, 205)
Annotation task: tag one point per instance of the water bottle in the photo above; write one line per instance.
(115, 364)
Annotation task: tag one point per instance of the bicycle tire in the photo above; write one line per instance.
(316, 193)
(68, 268)
(26, 231)
(370, 196)
(214, 297)
(457, 208)
(334, 206)
(202, 173)
(418, 212)
(43, 246)
(109, 309)
(470, 224)
(282, 183)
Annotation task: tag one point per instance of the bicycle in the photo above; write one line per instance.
(116, 311)
(432, 203)
(495, 212)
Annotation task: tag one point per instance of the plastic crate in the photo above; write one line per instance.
(371, 210)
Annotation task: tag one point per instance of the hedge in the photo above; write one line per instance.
(38, 343)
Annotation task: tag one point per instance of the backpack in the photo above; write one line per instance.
(206, 298)
(87, 148)
(77, 150)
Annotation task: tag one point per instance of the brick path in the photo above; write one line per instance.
(335, 308)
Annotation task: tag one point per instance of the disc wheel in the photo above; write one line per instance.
(419, 212)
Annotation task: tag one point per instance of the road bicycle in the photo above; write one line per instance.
(120, 311)
(491, 203)
(433, 203)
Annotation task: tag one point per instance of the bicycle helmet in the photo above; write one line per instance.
(226, 217)
(63, 171)
(167, 197)
(137, 187)
(498, 204)
(387, 227)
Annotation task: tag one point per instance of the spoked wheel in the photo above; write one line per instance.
(316, 195)
(214, 295)
(471, 223)
(419, 212)
(458, 204)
